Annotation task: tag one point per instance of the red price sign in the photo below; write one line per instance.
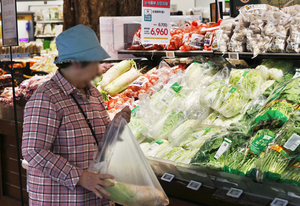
(156, 22)
(159, 31)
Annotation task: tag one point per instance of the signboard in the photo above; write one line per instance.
(9, 23)
(155, 22)
(235, 5)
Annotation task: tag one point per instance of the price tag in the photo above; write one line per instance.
(155, 22)
(233, 192)
(279, 202)
(9, 23)
(170, 54)
(193, 185)
(233, 56)
(167, 177)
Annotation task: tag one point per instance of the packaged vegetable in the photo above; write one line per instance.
(118, 153)
(282, 151)
(250, 80)
(220, 147)
(165, 125)
(182, 132)
(278, 106)
(230, 101)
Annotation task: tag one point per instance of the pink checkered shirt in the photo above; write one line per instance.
(58, 144)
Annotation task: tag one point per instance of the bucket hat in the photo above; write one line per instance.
(79, 43)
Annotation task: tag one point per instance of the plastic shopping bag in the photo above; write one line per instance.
(119, 155)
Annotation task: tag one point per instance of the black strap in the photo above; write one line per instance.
(86, 119)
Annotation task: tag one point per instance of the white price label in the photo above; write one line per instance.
(292, 143)
(233, 192)
(167, 177)
(170, 54)
(233, 56)
(155, 22)
(193, 185)
(223, 148)
(279, 202)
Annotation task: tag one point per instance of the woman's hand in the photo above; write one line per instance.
(125, 113)
(94, 182)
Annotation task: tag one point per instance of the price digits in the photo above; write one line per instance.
(159, 31)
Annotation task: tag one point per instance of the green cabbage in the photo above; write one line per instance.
(193, 74)
(175, 153)
(230, 101)
(182, 130)
(137, 126)
(164, 126)
(210, 92)
(187, 155)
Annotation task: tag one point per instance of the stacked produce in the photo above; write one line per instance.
(122, 84)
(241, 121)
(259, 28)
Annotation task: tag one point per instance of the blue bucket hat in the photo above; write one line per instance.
(79, 43)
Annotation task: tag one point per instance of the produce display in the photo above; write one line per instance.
(258, 28)
(241, 121)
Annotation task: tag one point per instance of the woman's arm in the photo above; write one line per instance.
(40, 128)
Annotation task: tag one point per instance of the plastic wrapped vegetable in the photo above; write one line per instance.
(182, 131)
(118, 153)
(156, 147)
(165, 125)
(230, 101)
(278, 106)
(214, 152)
(282, 151)
(251, 80)
(292, 174)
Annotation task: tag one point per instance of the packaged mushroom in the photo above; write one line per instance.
(223, 35)
(252, 12)
(293, 40)
(238, 39)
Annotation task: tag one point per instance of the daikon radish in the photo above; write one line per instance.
(116, 71)
(122, 82)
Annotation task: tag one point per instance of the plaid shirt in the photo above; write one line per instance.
(58, 144)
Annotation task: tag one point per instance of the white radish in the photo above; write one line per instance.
(116, 71)
(122, 82)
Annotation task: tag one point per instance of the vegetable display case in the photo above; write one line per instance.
(214, 182)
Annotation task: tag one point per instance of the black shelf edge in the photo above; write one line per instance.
(242, 55)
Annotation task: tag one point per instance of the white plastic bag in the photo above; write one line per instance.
(120, 155)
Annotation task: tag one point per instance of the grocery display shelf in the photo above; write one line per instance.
(215, 184)
(143, 53)
(241, 55)
(50, 22)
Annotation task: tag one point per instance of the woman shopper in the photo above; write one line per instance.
(64, 121)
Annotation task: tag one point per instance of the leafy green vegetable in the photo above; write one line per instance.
(230, 101)
(187, 155)
(210, 92)
(97, 81)
(175, 153)
(163, 127)
(206, 154)
(284, 149)
(137, 126)
(182, 131)
(104, 95)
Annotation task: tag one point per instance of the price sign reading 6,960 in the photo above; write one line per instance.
(159, 31)
(156, 22)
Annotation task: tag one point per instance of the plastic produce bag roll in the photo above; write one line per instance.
(119, 155)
